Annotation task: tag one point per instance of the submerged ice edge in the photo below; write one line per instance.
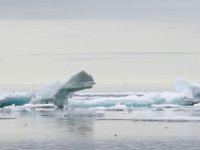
(145, 100)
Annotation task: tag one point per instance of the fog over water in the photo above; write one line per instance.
(118, 42)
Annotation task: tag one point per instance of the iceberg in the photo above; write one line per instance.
(192, 89)
(57, 93)
(60, 94)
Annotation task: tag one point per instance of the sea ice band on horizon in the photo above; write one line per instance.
(58, 93)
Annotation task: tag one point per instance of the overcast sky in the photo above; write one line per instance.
(117, 41)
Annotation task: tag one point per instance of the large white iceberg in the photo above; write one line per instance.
(56, 93)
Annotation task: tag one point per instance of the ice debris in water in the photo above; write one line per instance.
(117, 107)
(133, 100)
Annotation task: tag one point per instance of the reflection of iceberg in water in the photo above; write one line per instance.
(57, 93)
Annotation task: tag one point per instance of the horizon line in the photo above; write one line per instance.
(109, 53)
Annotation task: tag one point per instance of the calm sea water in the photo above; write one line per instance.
(42, 130)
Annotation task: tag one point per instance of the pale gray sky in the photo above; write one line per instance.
(117, 41)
